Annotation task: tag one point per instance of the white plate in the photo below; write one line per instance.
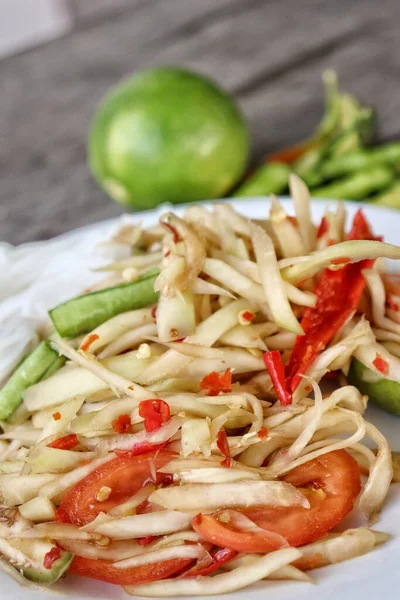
(375, 575)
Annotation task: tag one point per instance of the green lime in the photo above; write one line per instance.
(167, 134)
(383, 392)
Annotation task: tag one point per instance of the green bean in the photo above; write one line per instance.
(270, 178)
(358, 185)
(31, 370)
(83, 313)
(355, 118)
(361, 159)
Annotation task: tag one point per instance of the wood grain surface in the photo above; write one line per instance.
(268, 53)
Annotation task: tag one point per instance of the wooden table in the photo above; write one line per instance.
(268, 53)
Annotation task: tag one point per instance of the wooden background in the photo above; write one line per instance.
(268, 53)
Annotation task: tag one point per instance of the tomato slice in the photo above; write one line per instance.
(337, 474)
(222, 534)
(104, 570)
(125, 475)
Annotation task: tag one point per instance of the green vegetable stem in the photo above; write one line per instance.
(31, 370)
(270, 178)
(358, 185)
(83, 313)
(361, 159)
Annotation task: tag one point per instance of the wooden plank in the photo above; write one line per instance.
(269, 54)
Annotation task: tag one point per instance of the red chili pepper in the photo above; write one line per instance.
(323, 227)
(145, 541)
(290, 154)
(381, 364)
(341, 261)
(140, 448)
(220, 557)
(217, 382)
(361, 229)
(155, 413)
(392, 305)
(276, 369)
(248, 316)
(56, 416)
(332, 375)
(173, 230)
(263, 432)
(92, 338)
(67, 442)
(51, 556)
(122, 424)
(223, 447)
(338, 295)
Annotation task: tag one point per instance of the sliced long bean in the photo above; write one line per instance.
(83, 313)
(31, 370)
(357, 186)
(386, 154)
(270, 178)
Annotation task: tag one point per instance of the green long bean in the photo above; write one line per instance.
(270, 178)
(358, 185)
(83, 313)
(386, 154)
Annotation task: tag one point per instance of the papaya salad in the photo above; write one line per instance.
(186, 427)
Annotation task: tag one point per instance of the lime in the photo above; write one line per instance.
(383, 392)
(167, 134)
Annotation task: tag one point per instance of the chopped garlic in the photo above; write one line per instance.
(144, 351)
(130, 274)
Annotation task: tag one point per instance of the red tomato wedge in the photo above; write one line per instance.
(338, 296)
(337, 474)
(104, 570)
(222, 534)
(125, 475)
